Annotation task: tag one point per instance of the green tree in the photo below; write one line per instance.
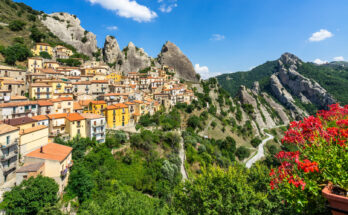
(45, 55)
(16, 25)
(31, 196)
(242, 152)
(81, 182)
(255, 142)
(36, 34)
(217, 191)
(193, 122)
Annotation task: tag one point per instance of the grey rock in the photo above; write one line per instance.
(135, 59)
(68, 29)
(111, 51)
(172, 56)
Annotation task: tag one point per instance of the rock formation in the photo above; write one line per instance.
(67, 27)
(172, 56)
(111, 51)
(135, 59)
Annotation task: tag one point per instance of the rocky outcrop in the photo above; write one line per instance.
(172, 56)
(287, 84)
(135, 59)
(68, 29)
(285, 97)
(260, 114)
(111, 51)
(278, 108)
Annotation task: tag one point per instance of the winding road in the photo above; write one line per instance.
(182, 158)
(260, 151)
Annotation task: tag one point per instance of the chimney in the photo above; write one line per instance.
(41, 149)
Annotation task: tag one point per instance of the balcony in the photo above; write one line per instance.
(7, 168)
(97, 125)
(14, 143)
(71, 163)
(64, 172)
(8, 156)
(99, 132)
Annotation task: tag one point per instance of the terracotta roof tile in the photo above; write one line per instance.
(57, 116)
(40, 117)
(16, 104)
(33, 129)
(74, 117)
(51, 151)
(77, 106)
(4, 128)
(44, 103)
(91, 116)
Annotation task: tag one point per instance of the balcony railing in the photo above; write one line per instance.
(64, 172)
(14, 143)
(8, 156)
(10, 167)
(97, 124)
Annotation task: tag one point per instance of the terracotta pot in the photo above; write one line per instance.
(338, 204)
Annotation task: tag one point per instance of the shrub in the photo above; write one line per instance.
(242, 153)
(255, 142)
(36, 35)
(16, 52)
(32, 17)
(45, 55)
(16, 25)
(84, 39)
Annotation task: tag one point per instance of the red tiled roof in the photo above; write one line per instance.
(77, 106)
(44, 103)
(33, 129)
(57, 116)
(40, 117)
(51, 151)
(74, 117)
(19, 121)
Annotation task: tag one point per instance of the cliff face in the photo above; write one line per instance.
(111, 51)
(135, 59)
(68, 29)
(287, 84)
(172, 56)
(266, 113)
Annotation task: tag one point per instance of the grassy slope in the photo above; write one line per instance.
(14, 11)
(333, 78)
(231, 82)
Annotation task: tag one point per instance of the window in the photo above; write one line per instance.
(33, 125)
(78, 131)
(8, 140)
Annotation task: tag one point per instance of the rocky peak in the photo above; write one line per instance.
(289, 60)
(256, 87)
(172, 56)
(67, 27)
(135, 59)
(111, 50)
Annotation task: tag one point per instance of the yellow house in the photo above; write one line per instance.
(57, 159)
(51, 64)
(96, 107)
(58, 87)
(117, 115)
(89, 71)
(63, 49)
(40, 91)
(32, 138)
(34, 63)
(115, 76)
(75, 125)
(42, 47)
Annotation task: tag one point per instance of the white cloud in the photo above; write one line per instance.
(167, 5)
(217, 37)
(339, 58)
(320, 35)
(112, 28)
(319, 62)
(128, 9)
(204, 72)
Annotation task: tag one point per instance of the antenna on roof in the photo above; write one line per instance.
(41, 149)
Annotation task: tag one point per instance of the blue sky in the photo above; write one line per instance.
(220, 35)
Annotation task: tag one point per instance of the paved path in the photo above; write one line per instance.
(182, 158)
(260, 151)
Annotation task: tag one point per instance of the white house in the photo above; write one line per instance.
(95, 126)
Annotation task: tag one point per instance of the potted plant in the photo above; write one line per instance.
(319, 162)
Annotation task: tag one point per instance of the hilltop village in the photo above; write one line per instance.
(50, 100)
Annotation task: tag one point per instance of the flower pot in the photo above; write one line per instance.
(338, 204)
